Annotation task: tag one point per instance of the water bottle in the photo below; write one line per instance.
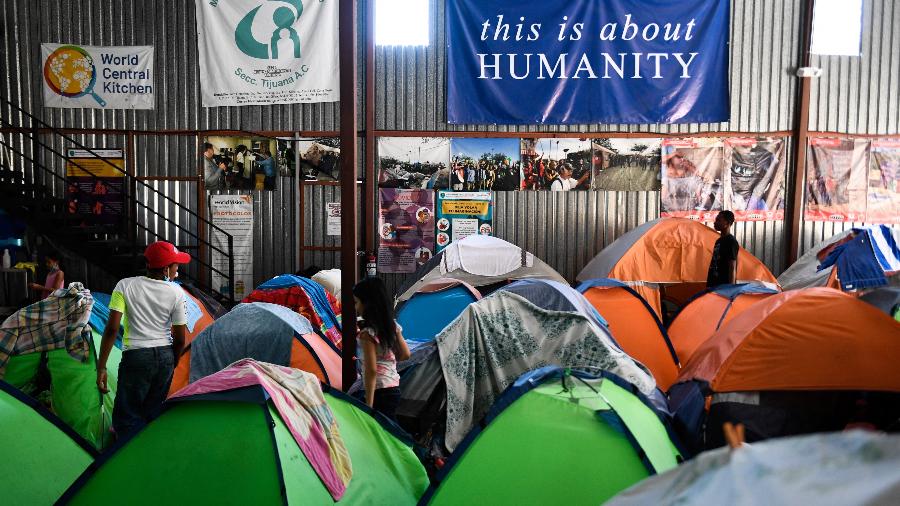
(7, 261)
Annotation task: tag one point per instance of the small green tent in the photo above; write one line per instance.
(39, 455)
(233, 448)
(557, 437)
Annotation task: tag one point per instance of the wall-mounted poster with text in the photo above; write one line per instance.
(461, 214)
(693, 174)
(406, 229)
(836, 179)
(94, 185)
(556, 164)
(414, 162)
(626, 164)
(483, 164)
(112, 77)
(755, 178)
(884, 182)
(233, 215)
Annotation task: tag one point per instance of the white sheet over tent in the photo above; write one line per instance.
(859, 468)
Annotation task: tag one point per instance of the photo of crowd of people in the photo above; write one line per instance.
(482, 164)
(755, 177)
(692, 177)
(320, 158)
(239, 163)
(414, 162)
(626, 164)
(556, 164)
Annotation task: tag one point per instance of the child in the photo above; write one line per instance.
(382, 343)
(56, 279)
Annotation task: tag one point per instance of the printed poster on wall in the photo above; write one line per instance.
(884, 182)
(556, 164)
(484, 164)
(587, 61)
(95, 77)
(333, 218)
(406, 229)
(626, 164)
(241, 163)
(693, 174)
(233, 214)
(94, 188)
(461, 214)
(267, 52)
(320, 158)
(755, 178)
(836, 179)
(414, 162)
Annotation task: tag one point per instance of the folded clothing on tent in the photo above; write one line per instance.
(59, 321)
(297, 395)
(863, 259)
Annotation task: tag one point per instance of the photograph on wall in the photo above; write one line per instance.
(461, 214)
(233, 215)
(240, 163)
(405, 229)
(836, 179)
(484, 164)
(755, 170)
(414, 162)
(286, 156)
(320, 158)
(693, 173)
(884, 182)
(626, 164)
(556, 164)
(94, 188)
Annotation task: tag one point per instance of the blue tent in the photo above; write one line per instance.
(426, 313)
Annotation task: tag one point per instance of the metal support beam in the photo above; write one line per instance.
(370, 202)
(349, 200)
(794, 211)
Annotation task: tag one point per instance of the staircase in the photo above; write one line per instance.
(39, 196)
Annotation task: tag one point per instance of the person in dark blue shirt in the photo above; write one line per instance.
(723, 266)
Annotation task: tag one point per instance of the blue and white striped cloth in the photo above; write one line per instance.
(884, 246)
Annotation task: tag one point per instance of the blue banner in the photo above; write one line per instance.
(587, 61)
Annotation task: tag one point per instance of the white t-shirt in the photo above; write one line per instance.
(563, 185)
(149, 307)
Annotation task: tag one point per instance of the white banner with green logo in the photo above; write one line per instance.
(267, 51)
(111, 77)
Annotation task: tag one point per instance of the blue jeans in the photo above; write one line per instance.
(144, 378)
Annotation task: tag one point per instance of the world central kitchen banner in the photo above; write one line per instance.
(267, 51)
(587, 61)
(119, 77)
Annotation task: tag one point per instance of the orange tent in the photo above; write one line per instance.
(671, 254)
(205, 320)
(709, 311)
(634, 326)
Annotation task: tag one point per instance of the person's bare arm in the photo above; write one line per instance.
(179, 332)
(370, 360)
(109, 339)
(60, 281)
(401, 350)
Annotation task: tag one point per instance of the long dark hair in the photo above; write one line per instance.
(378, 312)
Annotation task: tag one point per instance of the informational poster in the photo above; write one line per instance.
(320, 158)
(241, 163)
(233, 215)
(626, 164)
(461, 214)
(406, 229)
(884, 182)
(414, 162)
(693, 174)
(95, 185)
(836, 179)
(333, 218)
(587, 61)
(755, 171)
(94, 77)
(267, 52)
(556, 164)
(483, 164)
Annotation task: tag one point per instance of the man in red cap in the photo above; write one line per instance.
(151, 310)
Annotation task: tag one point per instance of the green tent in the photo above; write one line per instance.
(557, 437)
(41, 456)
(69, 387)
(233, 448)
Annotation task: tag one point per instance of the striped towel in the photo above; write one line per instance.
(884, 246)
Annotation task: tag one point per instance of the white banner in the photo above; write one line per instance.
(267, 52)
(234, 215)
(119, 77)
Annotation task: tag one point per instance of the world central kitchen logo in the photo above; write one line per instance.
(284, 41)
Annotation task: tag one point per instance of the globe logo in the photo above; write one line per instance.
(284, 41)
(70, 72)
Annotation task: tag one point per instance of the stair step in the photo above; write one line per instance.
(7, 175)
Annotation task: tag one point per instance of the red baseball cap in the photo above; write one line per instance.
(162, 254)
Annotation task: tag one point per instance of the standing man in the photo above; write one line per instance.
(213, 175)
(723, 266)
(564, 182)
(152, 312)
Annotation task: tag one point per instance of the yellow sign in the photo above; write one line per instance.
(464, 207)
(81, 163)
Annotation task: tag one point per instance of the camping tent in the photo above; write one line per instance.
(855, 467)
(481, 261)
(233, 447)
(306, 297)
(671, 255)
(557, 437)
(706, 313)
(805, 273)
(435, 305)
(41, 455)
(635, 326)
(779, 368)
(265, 332)
(885, 299)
